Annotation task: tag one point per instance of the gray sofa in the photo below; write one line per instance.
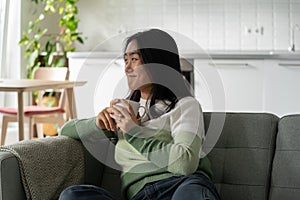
(257, 157)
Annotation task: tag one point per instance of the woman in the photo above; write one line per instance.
(159, 153)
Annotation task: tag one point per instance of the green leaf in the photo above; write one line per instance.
(72, 25)
(41, 17)
(27, 53)
(30, 24)
(37, 21)
(72, 2)
(35, 1)
(59, 62)
(62, 22)
(48, 47)
(72, 49)
(44, 31)
(24, 40)
(37, 36)
(61, 10)
(33, 57)
(51, 56)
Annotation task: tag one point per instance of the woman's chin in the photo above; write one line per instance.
(132, 87)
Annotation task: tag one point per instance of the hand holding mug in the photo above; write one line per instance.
(104, 121)
(125, 114)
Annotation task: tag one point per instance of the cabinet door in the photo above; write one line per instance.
(238, 83)
(282, 90)
(105, 81)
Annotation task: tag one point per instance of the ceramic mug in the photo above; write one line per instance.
(135, 107)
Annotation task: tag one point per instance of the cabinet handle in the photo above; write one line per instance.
(230, 64)
(289, 64)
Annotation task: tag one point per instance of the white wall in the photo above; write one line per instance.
(214, 24)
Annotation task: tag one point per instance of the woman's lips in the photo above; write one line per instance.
(131, 75)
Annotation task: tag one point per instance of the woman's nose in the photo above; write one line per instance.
(128, 66)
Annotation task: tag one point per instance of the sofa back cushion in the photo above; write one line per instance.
(285, 182)
(242, 157)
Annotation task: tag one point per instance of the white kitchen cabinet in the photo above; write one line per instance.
(229, 85)
(282, 87)
(105, 81)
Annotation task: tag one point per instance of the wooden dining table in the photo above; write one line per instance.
(28, 85)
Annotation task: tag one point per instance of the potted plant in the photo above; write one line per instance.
(44, 49)
(50, 49)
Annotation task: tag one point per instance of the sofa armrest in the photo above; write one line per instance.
(11, 186)
(10, 180)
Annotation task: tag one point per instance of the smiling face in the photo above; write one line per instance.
(137, 76)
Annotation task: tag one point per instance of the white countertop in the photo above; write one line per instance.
(210, 54)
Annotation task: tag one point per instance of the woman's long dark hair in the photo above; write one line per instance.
(160, 56)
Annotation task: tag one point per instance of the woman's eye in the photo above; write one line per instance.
(131, 59)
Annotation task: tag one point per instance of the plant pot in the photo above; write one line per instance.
(50, 129)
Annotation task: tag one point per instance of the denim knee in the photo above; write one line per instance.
(196, 186)
(86, 192)
(70, 193)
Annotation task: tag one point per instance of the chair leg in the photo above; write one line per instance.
(40, 131)
(4, 129)
(30, 124)
(61, 120)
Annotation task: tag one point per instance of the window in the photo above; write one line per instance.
(10, 58)
(2, 22)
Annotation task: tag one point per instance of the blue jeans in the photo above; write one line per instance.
(191, 187)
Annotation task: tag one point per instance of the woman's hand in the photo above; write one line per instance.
(104, 121)
(124, 115)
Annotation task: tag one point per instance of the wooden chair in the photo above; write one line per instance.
(38, 114)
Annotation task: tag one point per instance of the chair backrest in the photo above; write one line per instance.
(55, 74)
(51, 73)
